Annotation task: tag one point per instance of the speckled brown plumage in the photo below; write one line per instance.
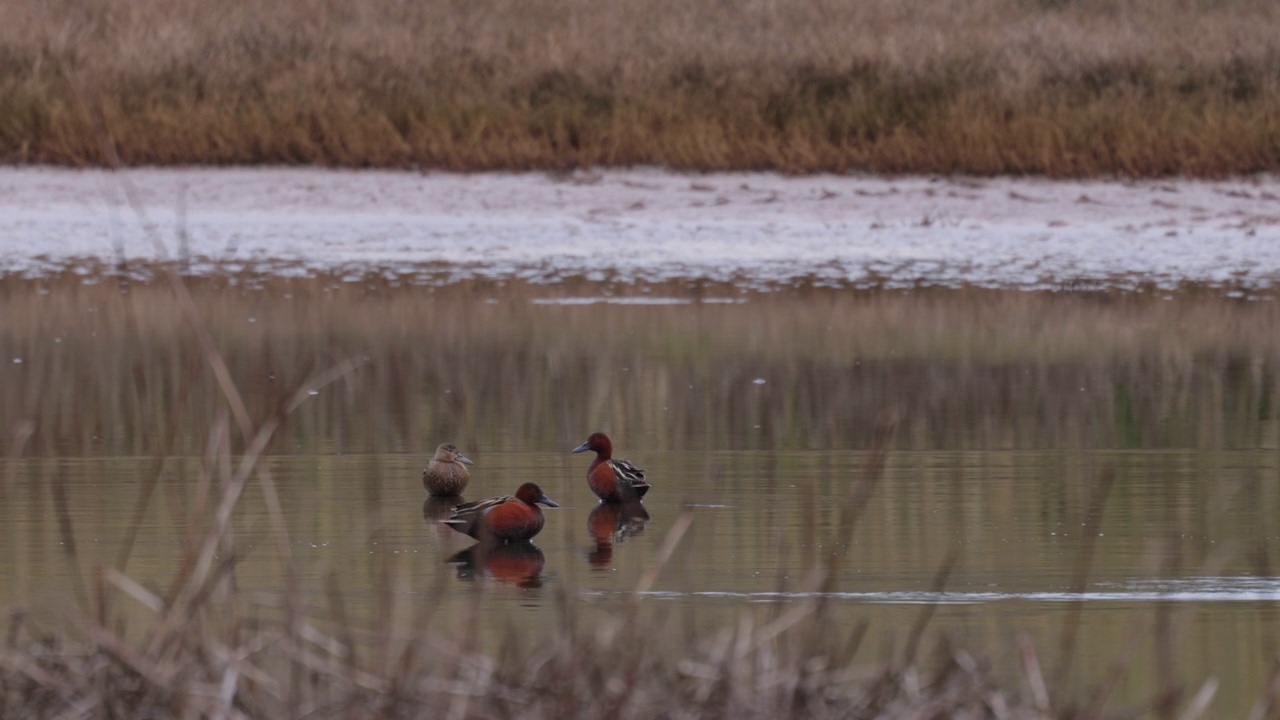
(446, 475)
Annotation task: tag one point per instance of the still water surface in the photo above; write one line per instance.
(1129, 518)
(1189, 532)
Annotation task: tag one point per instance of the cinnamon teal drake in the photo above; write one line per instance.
(446, 475)
(612, 480)
(508, 518)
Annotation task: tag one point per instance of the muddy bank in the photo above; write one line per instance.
(650, 225)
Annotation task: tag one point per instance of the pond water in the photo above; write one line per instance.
(1183, 539)
(1097, 473)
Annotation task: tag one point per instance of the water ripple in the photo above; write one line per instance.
(1202, 589)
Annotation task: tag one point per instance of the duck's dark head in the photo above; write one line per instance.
(448, 452)
(531, 494)
(598, 442)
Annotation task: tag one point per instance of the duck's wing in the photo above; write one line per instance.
(630, 476)
(464, 517)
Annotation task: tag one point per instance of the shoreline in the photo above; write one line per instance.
(649, 225)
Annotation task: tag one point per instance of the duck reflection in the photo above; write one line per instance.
(611, 523)
(435, 508)
(519, 564)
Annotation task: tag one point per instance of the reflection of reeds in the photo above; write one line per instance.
(988, 86)
(93, 369)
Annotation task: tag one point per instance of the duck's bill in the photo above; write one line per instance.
(464, 459)
(548, 502)
(581, 448)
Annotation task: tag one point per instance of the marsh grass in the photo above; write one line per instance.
(1142, 87)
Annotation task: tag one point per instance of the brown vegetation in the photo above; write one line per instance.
(1058, 87)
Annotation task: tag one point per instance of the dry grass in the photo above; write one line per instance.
(1059, 87)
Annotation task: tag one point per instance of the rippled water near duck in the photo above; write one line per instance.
(1105, 485)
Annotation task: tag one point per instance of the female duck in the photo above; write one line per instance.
(509, 518)
(612, 480)
(446, 475)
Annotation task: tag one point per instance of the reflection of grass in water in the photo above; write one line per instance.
(120, 363)
(94, 368)
(986, 87)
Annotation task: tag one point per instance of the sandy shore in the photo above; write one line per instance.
(647, 224)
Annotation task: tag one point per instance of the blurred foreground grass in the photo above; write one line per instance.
(1057, 87)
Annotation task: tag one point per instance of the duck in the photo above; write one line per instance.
(612, 480)
(447, 475)
(502, 519)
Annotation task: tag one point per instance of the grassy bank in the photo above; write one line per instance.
(1063, 88)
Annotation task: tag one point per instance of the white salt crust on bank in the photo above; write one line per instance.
(648, 224)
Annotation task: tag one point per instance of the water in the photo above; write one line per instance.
(1108, 499)
(1182, 532)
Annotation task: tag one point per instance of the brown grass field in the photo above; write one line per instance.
(1053, 87)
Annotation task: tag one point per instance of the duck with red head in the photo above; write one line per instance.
(612, 480)
(503, 519)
